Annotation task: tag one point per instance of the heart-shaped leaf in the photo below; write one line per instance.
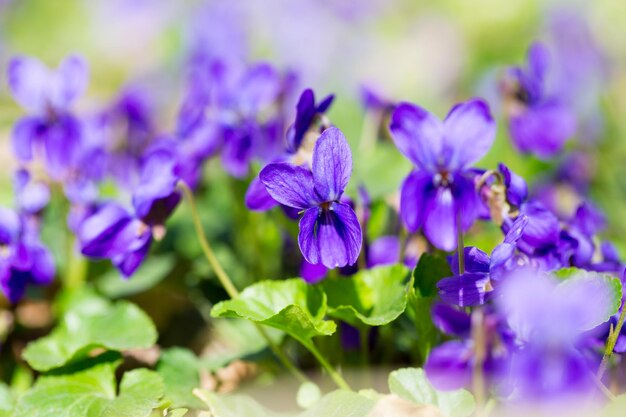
(92, 392)
(373, 297)
(292, 306)
(179, 369)
(117, 326)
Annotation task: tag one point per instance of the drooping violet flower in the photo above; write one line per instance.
(50, 130)
(330, 233)
(24, 260)
(540, 122)
(112, 232)
(442, 186)
(301, 137)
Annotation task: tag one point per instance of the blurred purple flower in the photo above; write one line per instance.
(540, 121)
(31, 196)
(548, 364)
(330, 233)
(24, 260)
(50, 130)
(442, 186)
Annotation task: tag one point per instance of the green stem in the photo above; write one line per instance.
(610, 343)
(334, 375)
(226, 281)
(460, 246)
(76, 268)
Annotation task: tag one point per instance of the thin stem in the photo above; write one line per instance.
(460, 246)
(480, 352)
(76, 272)
(610, 343)
(226, 281)
(338, 379)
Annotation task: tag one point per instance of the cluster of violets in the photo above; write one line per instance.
(243, 113)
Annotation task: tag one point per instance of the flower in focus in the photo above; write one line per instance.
(50, 131)
(301, 137)
(330, 233)
(540, 121)
(442, 185)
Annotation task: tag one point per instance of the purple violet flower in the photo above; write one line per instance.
(540, 121)
(50, 130)
(442, 186)
(330, 233)
(24, 260)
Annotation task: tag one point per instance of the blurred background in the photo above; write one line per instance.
(431, 53)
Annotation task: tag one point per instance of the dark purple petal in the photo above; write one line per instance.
(543, 129)
(440, 219)
(448, 366)
(312, 273)
(469, 132)
(237, 151)
(451, 321)
(257, 198)
(331, 237)
(305, 112)
(136, 238)
(516, 188)
(469, 289)
(62, 144)
(332, 164)
(475, 261)
(289, 185)
(29, 81)
(98, 233)
(418, 135)
(542, 229)
(415, 188)
(325, 104)
(43, 267)
(383, 251)
(13, 284)
(155, 197)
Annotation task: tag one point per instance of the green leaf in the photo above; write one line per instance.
(292, 306)
(179, 412)
(92, 392)
(153, 271)
(419, 311)
(411, 384)
(341, 404)
(566, 273)
(116, 326)
(239, 338)
(429, 270)
(6, 401)
(335, 404)
(179, 369)
(233, 405)
(373, 297)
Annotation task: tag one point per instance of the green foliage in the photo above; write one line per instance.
(153, 271)
(335, 404)
(373, 297)
(114, 326)
(92, 392)
(429, 270)
(292, 306)
(179, 369)
(411, 384)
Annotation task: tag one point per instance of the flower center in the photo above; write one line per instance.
(443, 178)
